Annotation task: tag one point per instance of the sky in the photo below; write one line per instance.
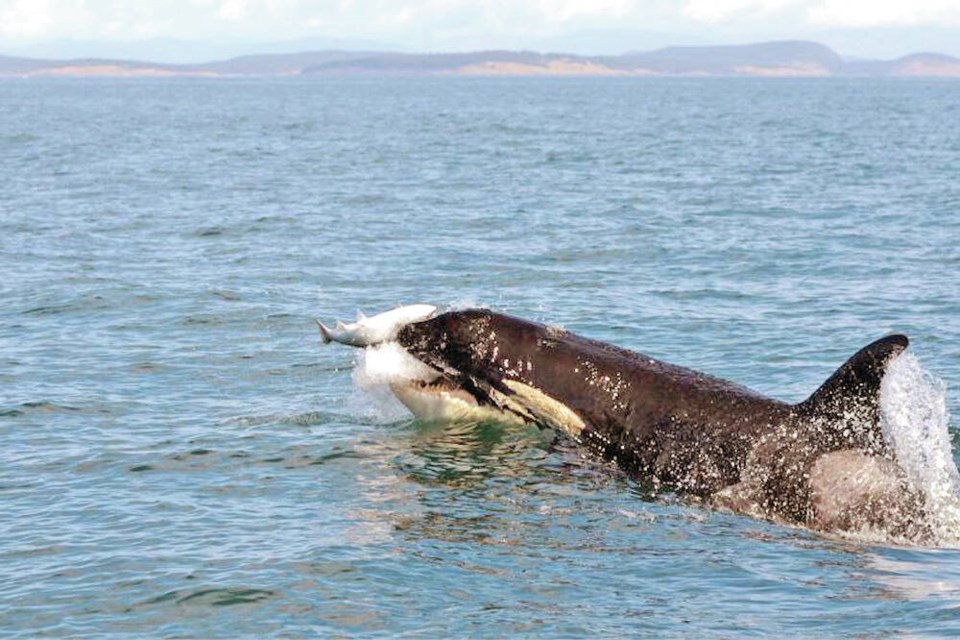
(866, 28)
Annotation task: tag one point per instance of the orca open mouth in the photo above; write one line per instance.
(444, 388)
(444, 399)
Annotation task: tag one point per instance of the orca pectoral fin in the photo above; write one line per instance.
(850, 398)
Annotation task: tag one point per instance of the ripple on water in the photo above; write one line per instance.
(213, 597)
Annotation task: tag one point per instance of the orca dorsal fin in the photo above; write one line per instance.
(849, 401)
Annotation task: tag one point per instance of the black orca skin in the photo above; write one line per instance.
(672, 427)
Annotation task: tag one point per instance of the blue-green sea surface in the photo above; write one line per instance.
(179, 457)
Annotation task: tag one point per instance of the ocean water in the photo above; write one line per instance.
(180, 457)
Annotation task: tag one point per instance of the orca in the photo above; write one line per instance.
(821, 463)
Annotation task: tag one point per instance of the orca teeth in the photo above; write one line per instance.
(440, 384)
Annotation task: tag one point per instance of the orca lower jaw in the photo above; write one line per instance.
(443, 400)
(508, 401)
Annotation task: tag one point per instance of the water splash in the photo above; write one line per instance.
(378, 366)
(914, 419)
(375, 369)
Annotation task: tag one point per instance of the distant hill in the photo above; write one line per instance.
(783, 58)
(926, 64)
(10, 66)
(477, 63)
(279, 64)
(766, 58)
(29, 67)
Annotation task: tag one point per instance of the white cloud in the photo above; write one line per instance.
(831, 13)
(724, 10)
(869, 13)
(567, 10)
(450, 23)
(397, 19)
(25, 18)
(232, 10)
